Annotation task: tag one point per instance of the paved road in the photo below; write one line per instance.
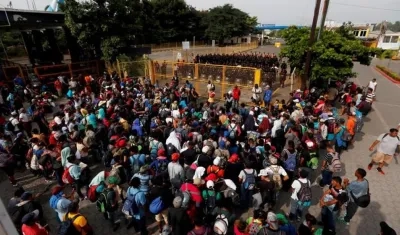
(384, 189)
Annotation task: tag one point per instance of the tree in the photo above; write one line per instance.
(105, 27)
(332, 55)
(395, 27)
(225, 22)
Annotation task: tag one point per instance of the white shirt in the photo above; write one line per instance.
(388, 145)
(175, 170)
(372, 85)
(14, 122)
(256, 92)
(277, 126)
(175, 114)
(242, 175)
(23, 117)
(296, 186)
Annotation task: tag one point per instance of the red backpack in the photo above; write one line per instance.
(66, 177)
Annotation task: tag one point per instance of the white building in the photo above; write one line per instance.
(389, 41)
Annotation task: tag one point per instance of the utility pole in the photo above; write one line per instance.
(310, 44)
(324, 13)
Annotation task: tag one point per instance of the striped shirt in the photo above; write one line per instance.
(370, 97)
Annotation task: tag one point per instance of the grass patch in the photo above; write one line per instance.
(389, 72)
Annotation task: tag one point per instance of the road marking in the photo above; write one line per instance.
(387, 104)
(378, 113)
(276, 90)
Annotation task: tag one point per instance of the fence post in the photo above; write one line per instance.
(196, 77)
(223, 82)
(152, 71)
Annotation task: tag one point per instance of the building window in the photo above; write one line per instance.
(363, 33)
(355, 33)
(394, 39)
(386, 39)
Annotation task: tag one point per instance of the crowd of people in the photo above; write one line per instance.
(235, 71)
(194, 166)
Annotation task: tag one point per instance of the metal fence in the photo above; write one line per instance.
(139, 68)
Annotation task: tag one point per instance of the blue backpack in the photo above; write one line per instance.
(130, 205)
(161, 166)
(157, 206)
(250, 181)
(290, 163)
(136, 163)
(54, 200)
(154, 149)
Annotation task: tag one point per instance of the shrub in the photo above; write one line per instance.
(389, 72)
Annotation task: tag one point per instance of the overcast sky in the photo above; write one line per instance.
(284, 12)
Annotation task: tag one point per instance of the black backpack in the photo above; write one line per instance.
(67, 227)
(210, 202)
(171, 149)
(9, 126)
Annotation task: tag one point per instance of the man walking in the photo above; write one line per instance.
(388, 144)
(267, 96)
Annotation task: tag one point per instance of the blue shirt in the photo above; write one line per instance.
(268, 95)
(140, 200)
(358, 188)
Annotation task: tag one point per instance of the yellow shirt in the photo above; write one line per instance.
(79, 222)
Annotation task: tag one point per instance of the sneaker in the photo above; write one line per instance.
(370, 166)
(15, 185)
(380, 170)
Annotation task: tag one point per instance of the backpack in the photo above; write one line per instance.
(331, 126)
(210, 201)
(276, 177)
(154, 148)
(291, 161)
(102, 202)
(171, 149)
(364, 200)
(9, 126)
(66, 177)
(161, 166)
(346, 136)
(313, 162)
(16, 214)
(67, 227)
(304, 195)
(91, 193)
(336, 164)
(135, 165)
(253, 228)
(250, 180)
(130, 207)
(232, 132)
(157, 206)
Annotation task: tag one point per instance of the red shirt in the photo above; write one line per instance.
(236, 93)
(35, 229)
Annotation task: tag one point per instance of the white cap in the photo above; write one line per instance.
(296, 100)
(216, 161)
(210, 184)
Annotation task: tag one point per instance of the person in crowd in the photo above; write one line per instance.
(79, 221)
(386, 229)
(355, 189)
(307, 227)
(30, 225)
(138, 220)
(387, 146)
(177, 217)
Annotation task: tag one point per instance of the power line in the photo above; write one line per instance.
(366, 7)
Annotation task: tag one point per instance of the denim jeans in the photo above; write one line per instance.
(328, 219)
(246, 199)
(326, 178)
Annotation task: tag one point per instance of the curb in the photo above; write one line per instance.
(386, 76)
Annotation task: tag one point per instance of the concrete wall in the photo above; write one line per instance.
(392, 44)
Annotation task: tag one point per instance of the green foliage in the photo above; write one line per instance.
(395, 27)
(387, 54)
(332, 55)
(389, 72)
(226, 22)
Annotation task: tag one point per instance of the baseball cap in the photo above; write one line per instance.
(30, 217)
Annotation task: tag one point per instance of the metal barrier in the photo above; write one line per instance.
(10, 72)
(223, 77)
(73, 69)
(139, 68)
